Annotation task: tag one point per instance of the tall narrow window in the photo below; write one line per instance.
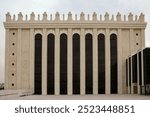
(140, 69)
(146, 65)
(76, 64)
(50, 63)
(134, 72)
(127, 72)
(89, 63)
(113, 63)
(134, 68)
(38, 64)
(130, 71)
(101, 64)
(63, 64)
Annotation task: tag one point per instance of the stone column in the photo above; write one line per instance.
(82, 62)
(131, 52)
(128, 78)
(131, 78)
(119, 59)
(57, 62)
(19, 59)
(32, 41)
(44, 63)
(7, 59)
(138, 80)
(69, 62)
(107, 63)
(95, 62)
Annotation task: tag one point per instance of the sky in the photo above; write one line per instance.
(76, 7)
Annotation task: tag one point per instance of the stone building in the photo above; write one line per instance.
(137, 72)
(71, 54)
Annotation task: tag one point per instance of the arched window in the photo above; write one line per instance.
(63, 64)
(50, 63)
(38, 64)
(89, 63)
(101, 64)
(113, 63)
(76, 63)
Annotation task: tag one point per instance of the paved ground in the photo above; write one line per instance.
(27, 95)
(77, 97)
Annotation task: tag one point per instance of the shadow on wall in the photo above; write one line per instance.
(1, 86)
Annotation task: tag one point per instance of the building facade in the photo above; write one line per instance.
(71, 54)
(138, 76)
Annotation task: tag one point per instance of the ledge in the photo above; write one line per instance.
(79, 24)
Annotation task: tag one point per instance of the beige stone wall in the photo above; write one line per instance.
(130, 35)
(12, 60)
(25, 51)
(137, 40)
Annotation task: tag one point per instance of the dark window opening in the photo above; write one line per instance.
(130, 71)
(13, 64)
(13, 54)
(13, 44)
(13, 74)
(137, 34)
(12, 84)
(134, 68)
(50, 63)
(38, 64)
(76, 64)
(113, 63)
(101, 64)
(146, 65)
(127, 72)
(13, 33)
(89, 63)
(63, 64)
(137, 43)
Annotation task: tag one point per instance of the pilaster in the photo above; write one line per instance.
(82, 62)
(95, 62)
(32, 60)
(119, 59)
(57, 62)
(107, 64)
(69, 64)
(44, 63)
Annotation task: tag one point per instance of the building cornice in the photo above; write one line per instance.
(79, 24)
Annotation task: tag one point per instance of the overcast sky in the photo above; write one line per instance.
(75, 6)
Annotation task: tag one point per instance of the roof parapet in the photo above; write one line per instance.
(44, 16)
(95, 18)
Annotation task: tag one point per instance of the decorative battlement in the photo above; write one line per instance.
(57, 17)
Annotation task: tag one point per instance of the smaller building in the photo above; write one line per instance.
(138, 72)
